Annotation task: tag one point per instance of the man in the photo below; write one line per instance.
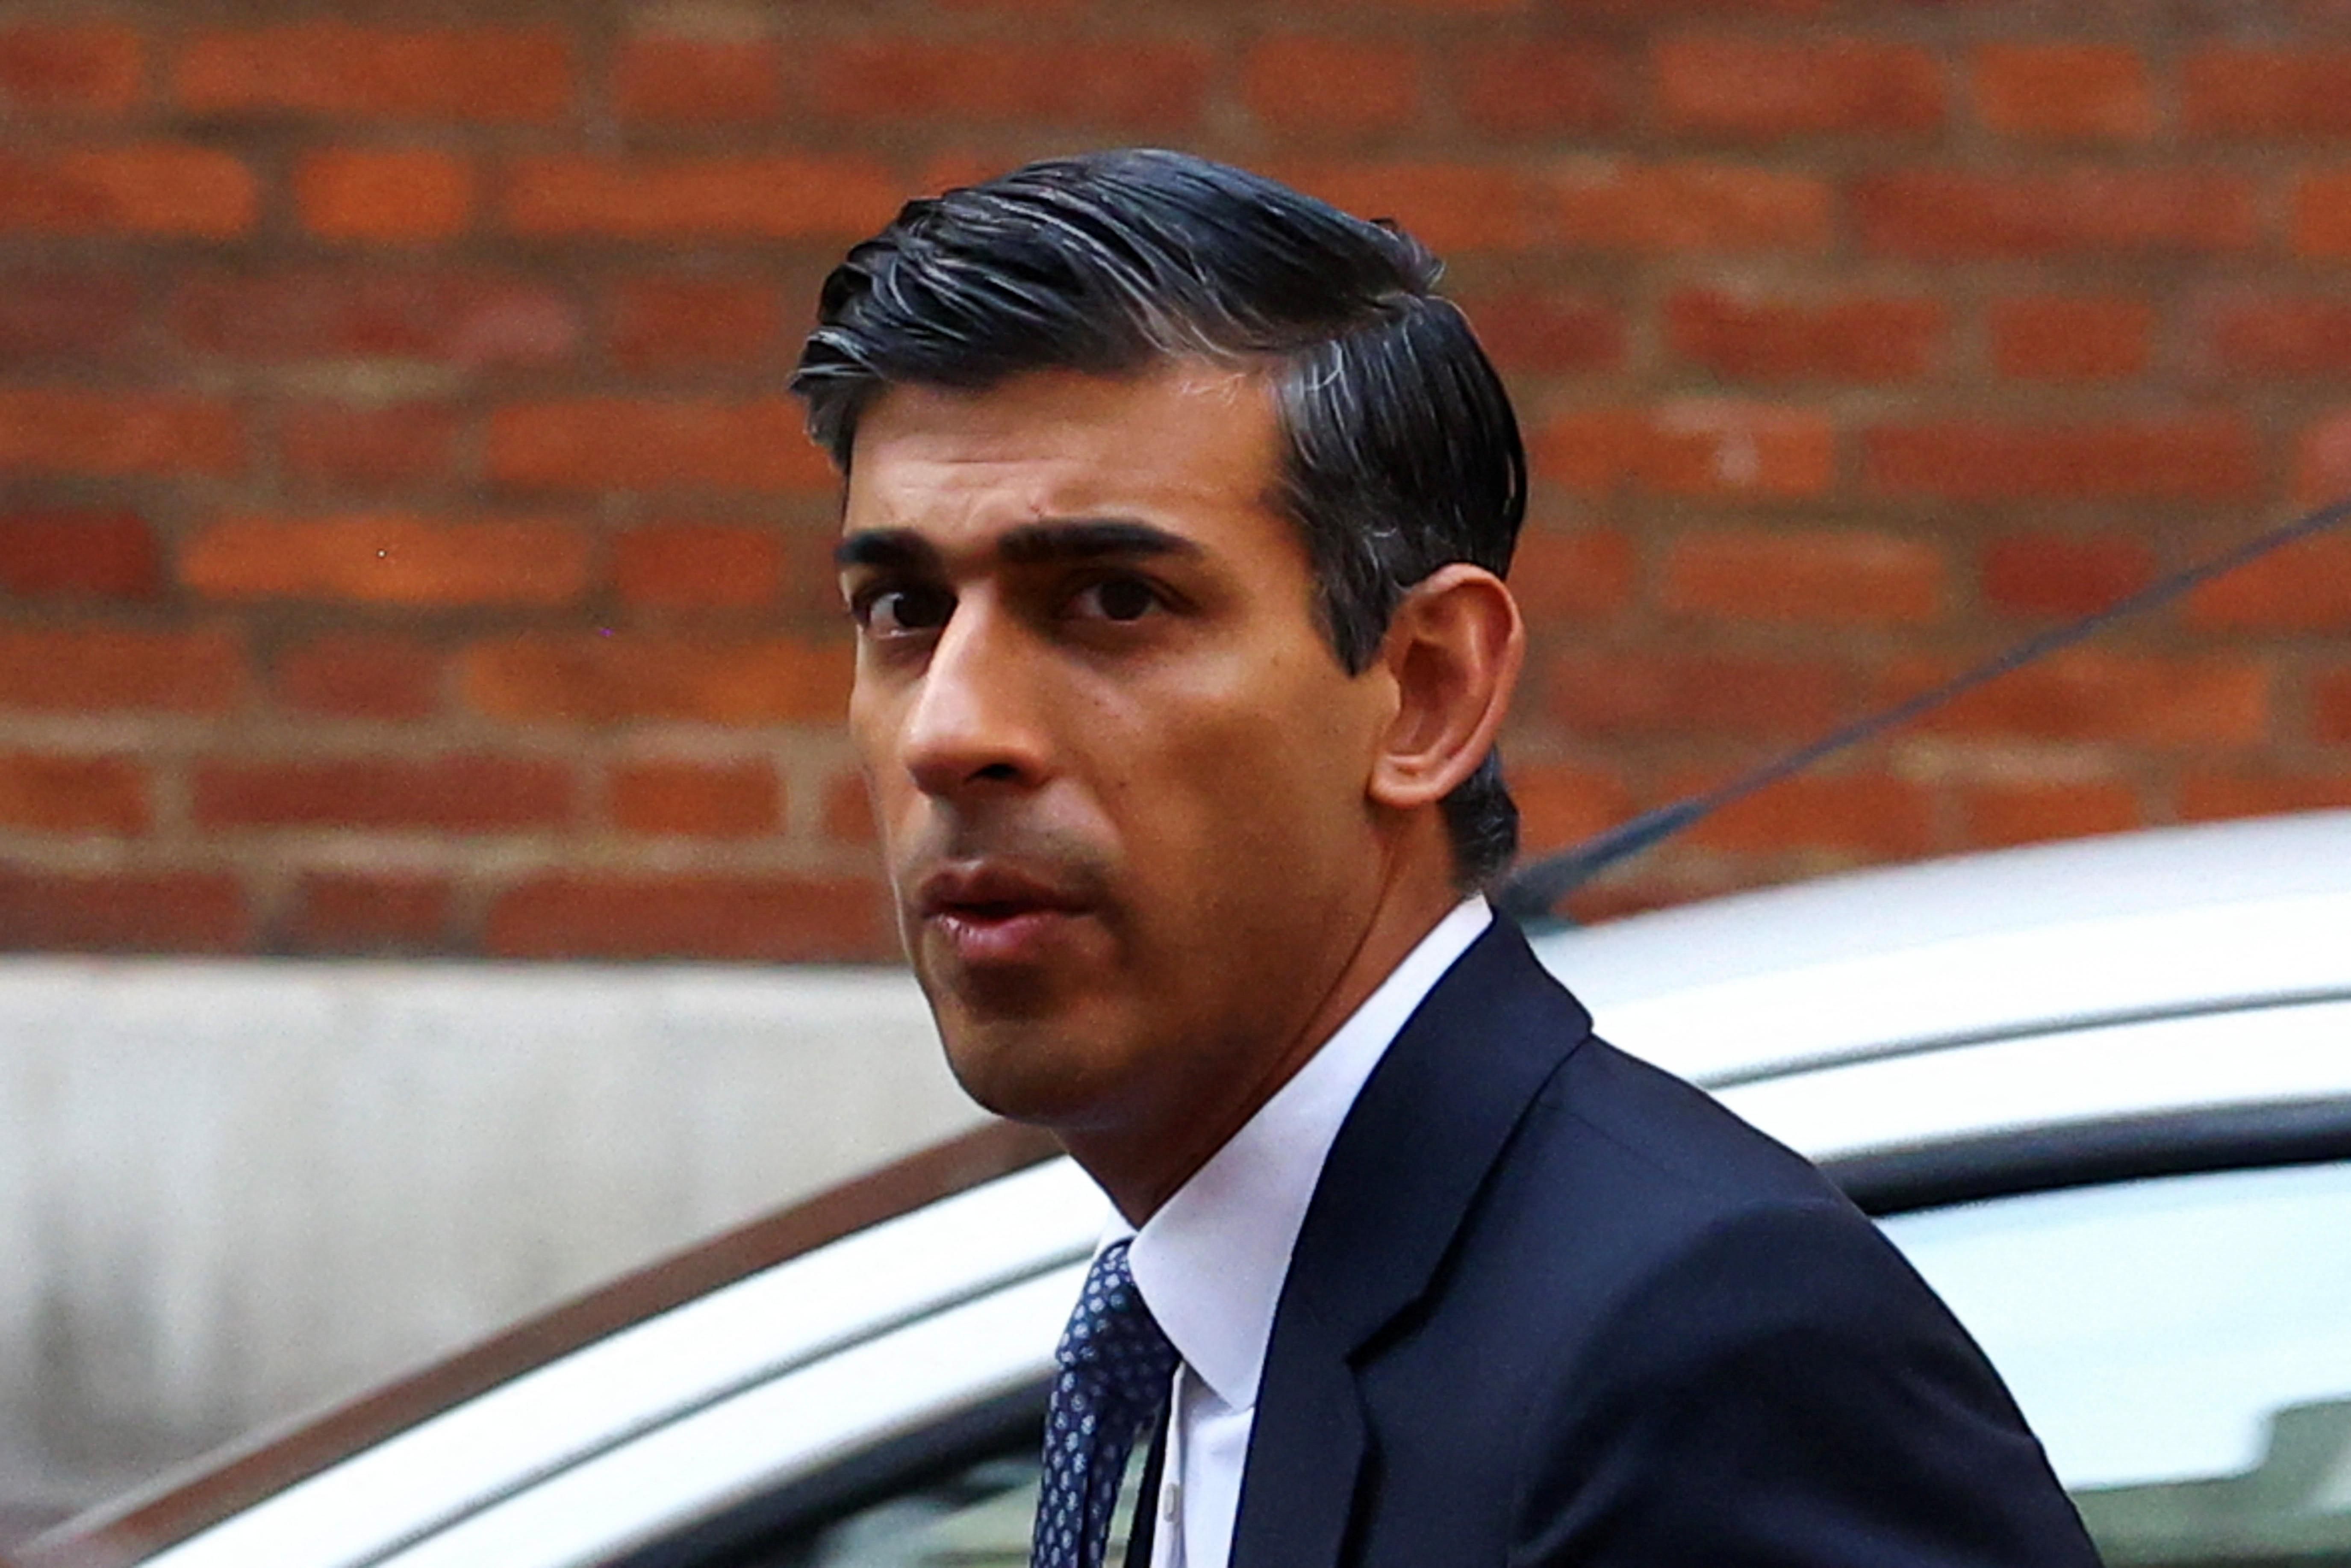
(1177, 507)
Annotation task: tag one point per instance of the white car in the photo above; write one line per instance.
(2099, 1092)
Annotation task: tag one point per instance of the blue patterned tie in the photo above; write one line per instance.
(1115, 1370)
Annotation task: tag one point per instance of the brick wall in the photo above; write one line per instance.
(405, 545)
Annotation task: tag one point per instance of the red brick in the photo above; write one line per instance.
(1056, 9)
(2306, 587)
(57, 430)
(2189, 457)
(370, 911)
(332, 69)
(698, 82)
(2051, 574)
(1548, 333)
(955, 166)
(696, 799)
(1312, 84)
(1999, 815)
(160, 189)
(1751, 88)
(83, 669)
(1868, 338)
(1652, 883)
(78, 554)
(2321, 221)
(83, 317)
(698, 566)
(1456, 209)
(361, 448)
(849, 810)
(360, 674)
(1678, 694)
(1544, 87)
(2209, 797)
(467, 319)
(1697, 449)
(48, 794)
(772, 197)
(1130, 84)
(1944, 215)
(2064, 92)
(1663, 209)
(1571, 575)
(2323, 465)
(66, 67)
(389, 558)
(1440, 8)
(1645, 11)
(2095, 696)
(1562, 804)
(386, 196)
(768, 919)
(2269, 337)
(811, 586)
(1816, 577)
(2330, 706)
(2053, 338)
(604, 679)
(1867, 813)
(682, 323)
(158, 912)
(454, 794)
(2290, 92)
(635, 444)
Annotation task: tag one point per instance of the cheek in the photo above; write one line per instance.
(1267, 764)
(865, 718)
(872, 726)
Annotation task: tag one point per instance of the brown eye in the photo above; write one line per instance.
(1121, 599)
(903, 612)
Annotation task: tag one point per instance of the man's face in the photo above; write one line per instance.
(1120, 774)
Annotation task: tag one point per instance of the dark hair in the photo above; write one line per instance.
(1401, 452)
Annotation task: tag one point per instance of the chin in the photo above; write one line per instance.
(1020, 1083)
(1041, 1070)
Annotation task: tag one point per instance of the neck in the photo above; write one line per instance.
(1141, 1168)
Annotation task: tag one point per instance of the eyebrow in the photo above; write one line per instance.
(1088, 539)
(1031, 544)
(903, 549)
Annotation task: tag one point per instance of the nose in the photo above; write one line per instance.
(974, 724)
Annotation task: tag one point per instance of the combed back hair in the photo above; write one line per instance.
(1400, 454)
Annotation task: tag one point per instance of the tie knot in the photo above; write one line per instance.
(1112, 1336)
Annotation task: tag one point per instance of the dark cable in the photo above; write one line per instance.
(1534, 890)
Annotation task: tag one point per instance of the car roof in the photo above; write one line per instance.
(1977, 947)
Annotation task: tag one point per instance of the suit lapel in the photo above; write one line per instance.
(1406, 1166)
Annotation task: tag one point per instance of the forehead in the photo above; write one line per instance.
(1186, 446)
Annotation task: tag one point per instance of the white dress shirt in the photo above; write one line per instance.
(1210, 1263)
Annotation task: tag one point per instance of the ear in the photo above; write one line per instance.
(1453, 652)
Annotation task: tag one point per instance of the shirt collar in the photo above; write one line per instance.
(1212, 1260)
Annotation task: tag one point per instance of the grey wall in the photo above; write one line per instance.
(230, 1191)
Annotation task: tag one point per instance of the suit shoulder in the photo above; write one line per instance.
(1607, 1107)
(1621, 1175)
(1589, 1102)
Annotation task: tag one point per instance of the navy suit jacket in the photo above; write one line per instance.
(1551, 1305)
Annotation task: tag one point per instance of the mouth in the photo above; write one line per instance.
(995, 914)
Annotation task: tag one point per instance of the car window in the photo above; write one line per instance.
(2181, 1344)
(977, 1518)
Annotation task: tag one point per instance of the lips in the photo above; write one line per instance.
(997, 912)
